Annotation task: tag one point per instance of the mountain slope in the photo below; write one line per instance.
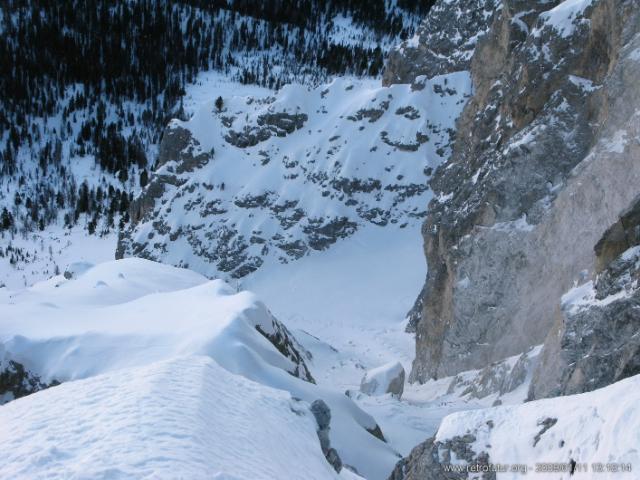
(272, 178)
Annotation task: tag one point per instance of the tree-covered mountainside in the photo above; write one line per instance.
(92, 83)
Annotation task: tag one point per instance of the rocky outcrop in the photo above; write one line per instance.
(281, 338)
(596, 338)
(179, 154)
(388, 378)
(435, 460)
(546, 158)
(497, 379)
(443, 44)
(618, 238)
(280, 124)
(16, 380)
(322, 414)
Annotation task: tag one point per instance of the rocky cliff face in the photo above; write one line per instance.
(546, 158)
(596, 338)
(444, 43)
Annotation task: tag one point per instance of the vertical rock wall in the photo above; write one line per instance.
(545, 160)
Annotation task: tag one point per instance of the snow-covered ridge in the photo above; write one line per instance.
(179, 418)
(591, 435)
(66, 329)
(120, 317)
(273, 178)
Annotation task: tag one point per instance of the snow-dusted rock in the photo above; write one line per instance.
(596, 338)
(498, 379)
(444, 43)
(388, 378)
(592, 435)
(17, 381)
(277, 177)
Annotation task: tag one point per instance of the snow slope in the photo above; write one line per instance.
(180, 418)
(132, 313)
(280, 176)
(599, 430)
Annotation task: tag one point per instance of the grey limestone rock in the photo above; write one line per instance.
(322, 414)
(596, 338)
(281, 338)
(16, 380)
(280, 124)
(430, 460)
(542, 165)
(444, 42)
(498, 378)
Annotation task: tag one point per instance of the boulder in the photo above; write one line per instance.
(388, 378)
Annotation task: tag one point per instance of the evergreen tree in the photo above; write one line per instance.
(6, 219)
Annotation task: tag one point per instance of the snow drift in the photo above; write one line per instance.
(180, 418)
(133, 313)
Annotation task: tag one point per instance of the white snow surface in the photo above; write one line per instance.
(180, 418)
(132, 313)
(599, 427)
